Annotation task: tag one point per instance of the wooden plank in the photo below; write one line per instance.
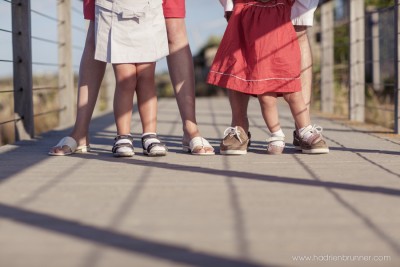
(397, 68)
(357, 61)
(327, 57)
(66, 73)
(22, 67)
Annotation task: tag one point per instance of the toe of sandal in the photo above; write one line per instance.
(123, 146)
(196, 145)
(275, 145)
(152, 146)
(68, 143)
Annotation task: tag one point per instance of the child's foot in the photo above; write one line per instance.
(123, 146)
(311, 140)
(235, 141)
(68, 146)
(198, 146)
(152, 146)
(276, 143)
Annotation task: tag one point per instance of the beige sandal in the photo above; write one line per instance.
(71, 145)
(198, 143)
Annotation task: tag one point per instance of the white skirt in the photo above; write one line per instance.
(130, 31)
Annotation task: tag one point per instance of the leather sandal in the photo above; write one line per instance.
(152, 146)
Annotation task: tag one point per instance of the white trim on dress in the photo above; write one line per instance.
(259, 80)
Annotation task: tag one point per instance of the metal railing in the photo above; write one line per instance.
(357, 61)
(21, 38)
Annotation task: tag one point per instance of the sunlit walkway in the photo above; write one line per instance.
(256, 210)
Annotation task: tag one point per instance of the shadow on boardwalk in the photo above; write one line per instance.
(292, 204)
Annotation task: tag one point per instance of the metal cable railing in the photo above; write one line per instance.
(35, 115)
(46, 40)
(8, 1)
(42, 89)
(380, 90)
(45, 16)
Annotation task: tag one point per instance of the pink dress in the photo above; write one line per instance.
(259, 52)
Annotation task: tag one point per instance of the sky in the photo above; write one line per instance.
(204, 18)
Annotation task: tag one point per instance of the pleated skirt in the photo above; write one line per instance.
(130, 31)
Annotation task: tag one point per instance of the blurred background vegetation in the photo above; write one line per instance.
(379, 98)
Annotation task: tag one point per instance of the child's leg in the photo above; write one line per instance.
(311, 141)
(298, 108)
(237, 137)
(276, 143)
(239, 102)
(125, 76)
(269, 111)
(147, 102)
(147, 97)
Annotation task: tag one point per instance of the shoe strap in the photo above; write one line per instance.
(154, 141)
(276, 138)
(124, 137)
(311, 133)
(69, 142)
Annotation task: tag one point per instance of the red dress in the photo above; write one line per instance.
(259, 52)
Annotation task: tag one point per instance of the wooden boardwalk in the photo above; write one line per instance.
(256, 210)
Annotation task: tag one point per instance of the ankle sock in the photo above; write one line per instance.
(305, 132)
(278, 133)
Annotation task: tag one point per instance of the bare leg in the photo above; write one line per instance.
(298, 108)
(91, 74)
(125, 76)
(180, 65)
(239, 103)
(306, 64)
(269, 111)
(147, 97)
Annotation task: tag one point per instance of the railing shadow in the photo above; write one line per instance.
(125, 242)
(24, 154)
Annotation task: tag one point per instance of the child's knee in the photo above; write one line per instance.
(293, 97)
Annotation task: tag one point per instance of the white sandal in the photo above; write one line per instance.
(152, 146)
(71, 144)
(195, 143)
(123, 146)
(275, 145)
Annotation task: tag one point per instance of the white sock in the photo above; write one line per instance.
(305, 132)
(278, 133)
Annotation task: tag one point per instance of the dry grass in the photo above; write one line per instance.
(46, 100)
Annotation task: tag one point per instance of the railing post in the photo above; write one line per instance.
(376, 64)
(22, 57)
(65, 73)
(357, 61)
(397, 68)
(327, 58)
